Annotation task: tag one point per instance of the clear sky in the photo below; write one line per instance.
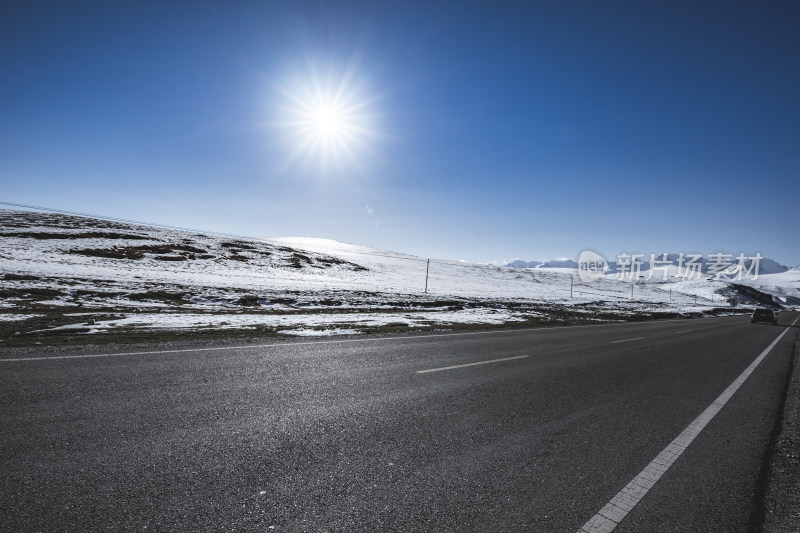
(458, 130)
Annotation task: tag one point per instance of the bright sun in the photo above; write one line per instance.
(327, 122)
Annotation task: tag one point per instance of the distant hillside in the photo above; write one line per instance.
(556, 263)
(524, 264)
(69, 275)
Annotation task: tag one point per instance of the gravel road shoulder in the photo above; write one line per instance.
(782, 498)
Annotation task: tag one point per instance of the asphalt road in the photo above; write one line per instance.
(350, 436)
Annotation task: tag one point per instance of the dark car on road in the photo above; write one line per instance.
(764, 315)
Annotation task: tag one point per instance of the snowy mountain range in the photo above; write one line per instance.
(555, 263)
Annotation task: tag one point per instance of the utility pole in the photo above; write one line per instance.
(670, 295)
(571, 280)
(427, 268)
(695, 299)
(631, 290)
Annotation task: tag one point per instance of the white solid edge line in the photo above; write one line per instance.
(472, 364)
(620, 505)
(340, 341)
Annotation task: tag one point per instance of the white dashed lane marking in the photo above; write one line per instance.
(628, 340)
(472, 364)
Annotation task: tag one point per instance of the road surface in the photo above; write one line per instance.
(396, 434)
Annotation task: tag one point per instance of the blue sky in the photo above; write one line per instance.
(485, 133)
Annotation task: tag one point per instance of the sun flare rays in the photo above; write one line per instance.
(329, 120)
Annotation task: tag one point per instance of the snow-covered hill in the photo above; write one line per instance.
(70, 274)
